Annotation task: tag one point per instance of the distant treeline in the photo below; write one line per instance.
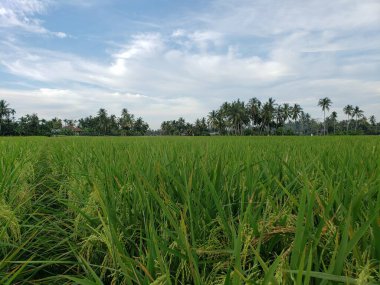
(232, 118)
(270, 118)
(101, 124)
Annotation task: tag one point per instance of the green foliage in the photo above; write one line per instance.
(216, 210)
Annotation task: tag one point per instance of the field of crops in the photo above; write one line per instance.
(217, 210)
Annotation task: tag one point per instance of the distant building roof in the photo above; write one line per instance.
(72, 128)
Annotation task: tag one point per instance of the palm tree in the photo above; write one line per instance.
(5, 112)
(280, 118)
(213, 119)
(221, 122)
(102, 120)
(267, 113)
(372, 120)
(238, 116)
(325, 104)
(56, 123)
(348, 111)
(306, 119)
(296, 112)
(334, 116)
(286, 111)
(140, 127)
(358, 114)
(224, 111)
(253, 109)
(126, 121)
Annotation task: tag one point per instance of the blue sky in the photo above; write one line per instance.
(163, 59)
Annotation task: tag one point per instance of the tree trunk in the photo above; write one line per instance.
(356, 124)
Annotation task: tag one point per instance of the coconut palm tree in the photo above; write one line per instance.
(325, 104)
(358, 114)
(102, 121)
(348, 111)
(372, 120)
(126, 121)
(267, 113)
(334, 116)
(5, 112)
(222, 124)
(286, 111)
(253, 110)
(280, 118)
(296, 112)
(224, 112)
(238, 116)
(212, 119)
(306, 119)
(140, 127)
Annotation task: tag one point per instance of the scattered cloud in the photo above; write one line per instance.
(291, 50)
(82, 102)
(272, 17)
(23, 15)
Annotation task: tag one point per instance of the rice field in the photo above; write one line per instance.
(188, 210)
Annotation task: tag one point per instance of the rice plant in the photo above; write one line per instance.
(182, 210)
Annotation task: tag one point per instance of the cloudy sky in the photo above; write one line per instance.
(163, 59)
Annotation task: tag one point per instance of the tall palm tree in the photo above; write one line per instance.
(334, 116)
(296, 112)
(253, 109)
(267, 113)
(372, 120)
(280, 118)
(306, 118)
(238, 116)
(358, 114)
(302, 120)
(102, 120)
(126, 120)
(221, 122)
(348, 111)
(325, 104)
(224, 112)
(5, 112)
(286, 111)
(212, 119)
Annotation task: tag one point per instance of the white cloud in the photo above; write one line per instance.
(295, 51)
(75, 104)
(179, 33)
(141, 46)
(146, 56)
(272, 17)
(61, 35)
(200, 40)
(23, 15)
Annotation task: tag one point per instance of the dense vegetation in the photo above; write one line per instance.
(221, 210)
(101, 124)
(264, 118)
(235, 118)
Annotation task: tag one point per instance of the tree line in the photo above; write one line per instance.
(100, 124)
(269, 118)
(231, 118)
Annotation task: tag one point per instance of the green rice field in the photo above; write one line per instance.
(190, 210)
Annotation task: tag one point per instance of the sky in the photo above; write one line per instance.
(162, 59)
